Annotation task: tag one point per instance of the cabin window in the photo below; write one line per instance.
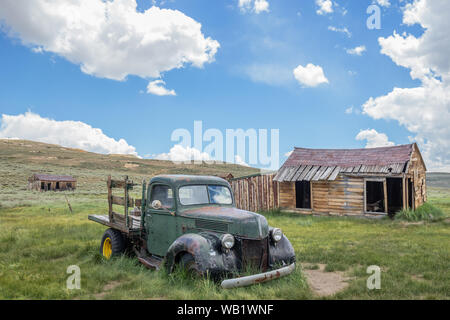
(164, 194)
(375, 196)
(303, 194)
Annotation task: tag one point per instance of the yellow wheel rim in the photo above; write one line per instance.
(107, 248)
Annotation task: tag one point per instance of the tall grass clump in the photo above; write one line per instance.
(426, 212)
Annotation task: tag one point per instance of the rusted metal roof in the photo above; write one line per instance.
(326, 164)
(49, 177)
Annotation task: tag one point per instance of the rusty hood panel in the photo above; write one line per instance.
(241, 223)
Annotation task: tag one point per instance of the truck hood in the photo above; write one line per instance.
(238, 222)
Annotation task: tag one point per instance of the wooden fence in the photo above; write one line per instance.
(256, 193)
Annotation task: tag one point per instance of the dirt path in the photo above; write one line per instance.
(106, 289)
(324, 283)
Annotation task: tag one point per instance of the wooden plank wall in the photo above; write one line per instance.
(343, 196)
(256, 193)
(287, 195)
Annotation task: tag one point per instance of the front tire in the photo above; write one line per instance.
(113, 244)
(188, 263)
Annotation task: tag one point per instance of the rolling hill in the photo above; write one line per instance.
(21, 158)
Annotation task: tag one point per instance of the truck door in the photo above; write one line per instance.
(160, 224)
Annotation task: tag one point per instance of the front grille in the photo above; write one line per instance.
(211, 225)
(255, 253)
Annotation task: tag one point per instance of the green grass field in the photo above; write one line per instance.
(40, 238)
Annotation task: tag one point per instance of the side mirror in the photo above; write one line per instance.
(156, 204)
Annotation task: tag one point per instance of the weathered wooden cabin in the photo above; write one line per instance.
(226, 176)
(46, 182)
(372, 181)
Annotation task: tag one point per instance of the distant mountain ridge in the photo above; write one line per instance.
(438, 179)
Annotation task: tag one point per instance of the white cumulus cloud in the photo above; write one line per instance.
(423, 110)
(238, 160)
(256, 6)
(109, 39)
(383, 3)
(374, 139)
(71, 134)
(178, 153)
(310, 75)
(325, 6)
(157, 88)
(352, 110)
(357, 50)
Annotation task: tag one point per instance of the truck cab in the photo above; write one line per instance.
(192, 221)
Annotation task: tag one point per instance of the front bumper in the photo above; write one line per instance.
(258, 278)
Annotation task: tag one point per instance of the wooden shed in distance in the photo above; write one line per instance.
(46, 182)
(371, 181)
(226, 176)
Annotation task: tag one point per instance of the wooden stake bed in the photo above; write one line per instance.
(134, 225)
(127, 223)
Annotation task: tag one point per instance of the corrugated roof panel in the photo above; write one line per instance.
(334, 174)
(318, 174)
(311, 173)
(290, 173)
(298, 173)
(327, 173)
(304, 173)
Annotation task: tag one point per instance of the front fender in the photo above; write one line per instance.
(206, 250)
(281, 252)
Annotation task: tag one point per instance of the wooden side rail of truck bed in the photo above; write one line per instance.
(128, 222)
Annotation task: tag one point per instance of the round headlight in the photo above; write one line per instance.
(277, 234)
(227, 241)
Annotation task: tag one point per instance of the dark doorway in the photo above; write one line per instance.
(42, 186)
(410, 194)
(49, 186)
(303, 194)
(394, 195)
(57, 186)
(375, 196)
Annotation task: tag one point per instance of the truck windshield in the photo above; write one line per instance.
(202, 194)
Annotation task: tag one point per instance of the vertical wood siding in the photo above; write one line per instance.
(256, 193)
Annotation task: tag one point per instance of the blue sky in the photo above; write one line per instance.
(250, 83)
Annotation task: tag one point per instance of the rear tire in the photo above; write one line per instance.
(113, 244)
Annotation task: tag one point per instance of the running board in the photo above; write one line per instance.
(151, 262)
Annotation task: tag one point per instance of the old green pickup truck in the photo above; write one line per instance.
(192, 222)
